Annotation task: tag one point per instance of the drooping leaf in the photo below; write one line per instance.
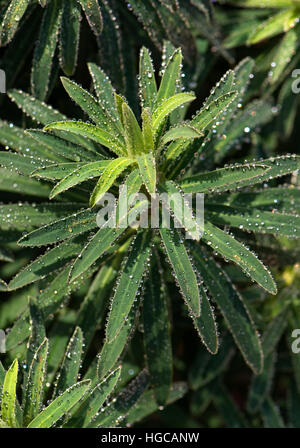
(128, 284)
(157, 336)
(69, 36)
(184, 273)
(233, 250)
(232, 307)
(44, 50)
(10, 22)
(64, 228)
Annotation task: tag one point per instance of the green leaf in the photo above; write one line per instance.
(112, 351)
(276, 24)
(19, 163)
(206, 368)
(284, 53)
(10, 22)
(205, 325)
(95, 110)
(270, 414)
(232, 307)
(147, 169)
(106, 236)
(185, 132)
(157, 338)
(284, 199)
(147, 130)
(60, 406)
(181, 209)
(233, 250)
(205, 117)
(147, 82)
(69, 36)
(128, 284)
(15, 183)
(51, 261)
(35, 384)
(223, 179)
(44, 50)
(171, 74)
(93, 15)
(85, 172)
(167, 106)
(89, 131)
(124, 402)
(254, 220)
(227, 408)
(274, 332)
(105, 92)
(57, 171)
(8, 400)
(133, 134)
(70, 366)
(93, 403)
(64, 228)
(110, 174)
(261, 384)
(37, 110)
(184, 272)
(147, 404)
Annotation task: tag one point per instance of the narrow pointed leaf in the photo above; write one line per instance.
(69, 36)
(85, 172)
(157, 339)
(185, 132)
(222, 179)
(93, 15)
(147, 168)
(182, 268)
(109, 176)
(60, 406)
(62, 229)
(147, 82)
(104, 91)
(171, 74)
(133, 133)
(11, 19)
(8, 399)
(89, 131)
(233, 250)
(71, 363)
(167, 106)
(124, 402)
(95, 110)
(128, 285)
(44, 50)
(232, 307)
(92, 404)
(35, 384)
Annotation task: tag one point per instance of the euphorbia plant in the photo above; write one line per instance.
(152, 154)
